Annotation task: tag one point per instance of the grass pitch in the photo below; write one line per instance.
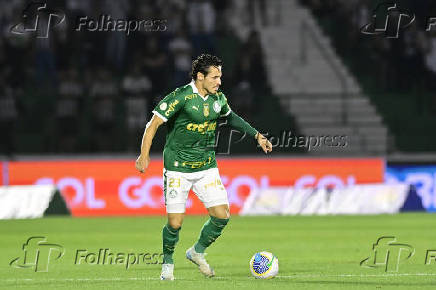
(314, 252)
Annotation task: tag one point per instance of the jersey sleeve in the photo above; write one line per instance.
(225, 108)
(169, 105)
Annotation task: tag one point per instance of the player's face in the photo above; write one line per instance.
(212, 81)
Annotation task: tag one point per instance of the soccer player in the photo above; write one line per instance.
(191, 114)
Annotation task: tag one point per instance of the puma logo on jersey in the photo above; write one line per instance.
(195, 107)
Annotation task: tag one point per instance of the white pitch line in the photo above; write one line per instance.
(219, 278)
(88, 279)
(79, 279)
(356, 275)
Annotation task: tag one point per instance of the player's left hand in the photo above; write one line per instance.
(264, 143)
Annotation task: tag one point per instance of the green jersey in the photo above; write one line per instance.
(191, 120)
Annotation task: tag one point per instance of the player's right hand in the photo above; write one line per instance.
(142, 163)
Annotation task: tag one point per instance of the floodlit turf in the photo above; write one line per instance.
(314, 252)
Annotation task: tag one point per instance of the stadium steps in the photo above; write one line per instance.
(323, 116)
(295, 62)
(315, 87)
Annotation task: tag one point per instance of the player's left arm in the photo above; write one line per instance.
(240, 124)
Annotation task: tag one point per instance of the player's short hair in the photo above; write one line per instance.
(202, 64)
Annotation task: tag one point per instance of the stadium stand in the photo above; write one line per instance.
(315, 86)
(396, 74)
(309, 72)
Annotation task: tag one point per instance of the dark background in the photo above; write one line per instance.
(93, 92)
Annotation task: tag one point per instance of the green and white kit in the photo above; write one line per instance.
(191, 121)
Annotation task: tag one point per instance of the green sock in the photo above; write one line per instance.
(211, 230)
(170, 237)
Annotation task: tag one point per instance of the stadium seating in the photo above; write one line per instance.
(316, 88)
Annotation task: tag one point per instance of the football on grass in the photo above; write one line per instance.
(264, 265)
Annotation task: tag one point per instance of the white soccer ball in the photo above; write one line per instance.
(264, 265)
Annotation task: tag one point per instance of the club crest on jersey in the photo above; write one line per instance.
(206, 110)
(216, 107)
(163, 106)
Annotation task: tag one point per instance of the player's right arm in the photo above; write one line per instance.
(164, 111)
(143, 159)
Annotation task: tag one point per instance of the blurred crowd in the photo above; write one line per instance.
(79, 91)
(397, 64)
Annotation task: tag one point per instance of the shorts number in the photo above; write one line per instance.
(174, 182)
